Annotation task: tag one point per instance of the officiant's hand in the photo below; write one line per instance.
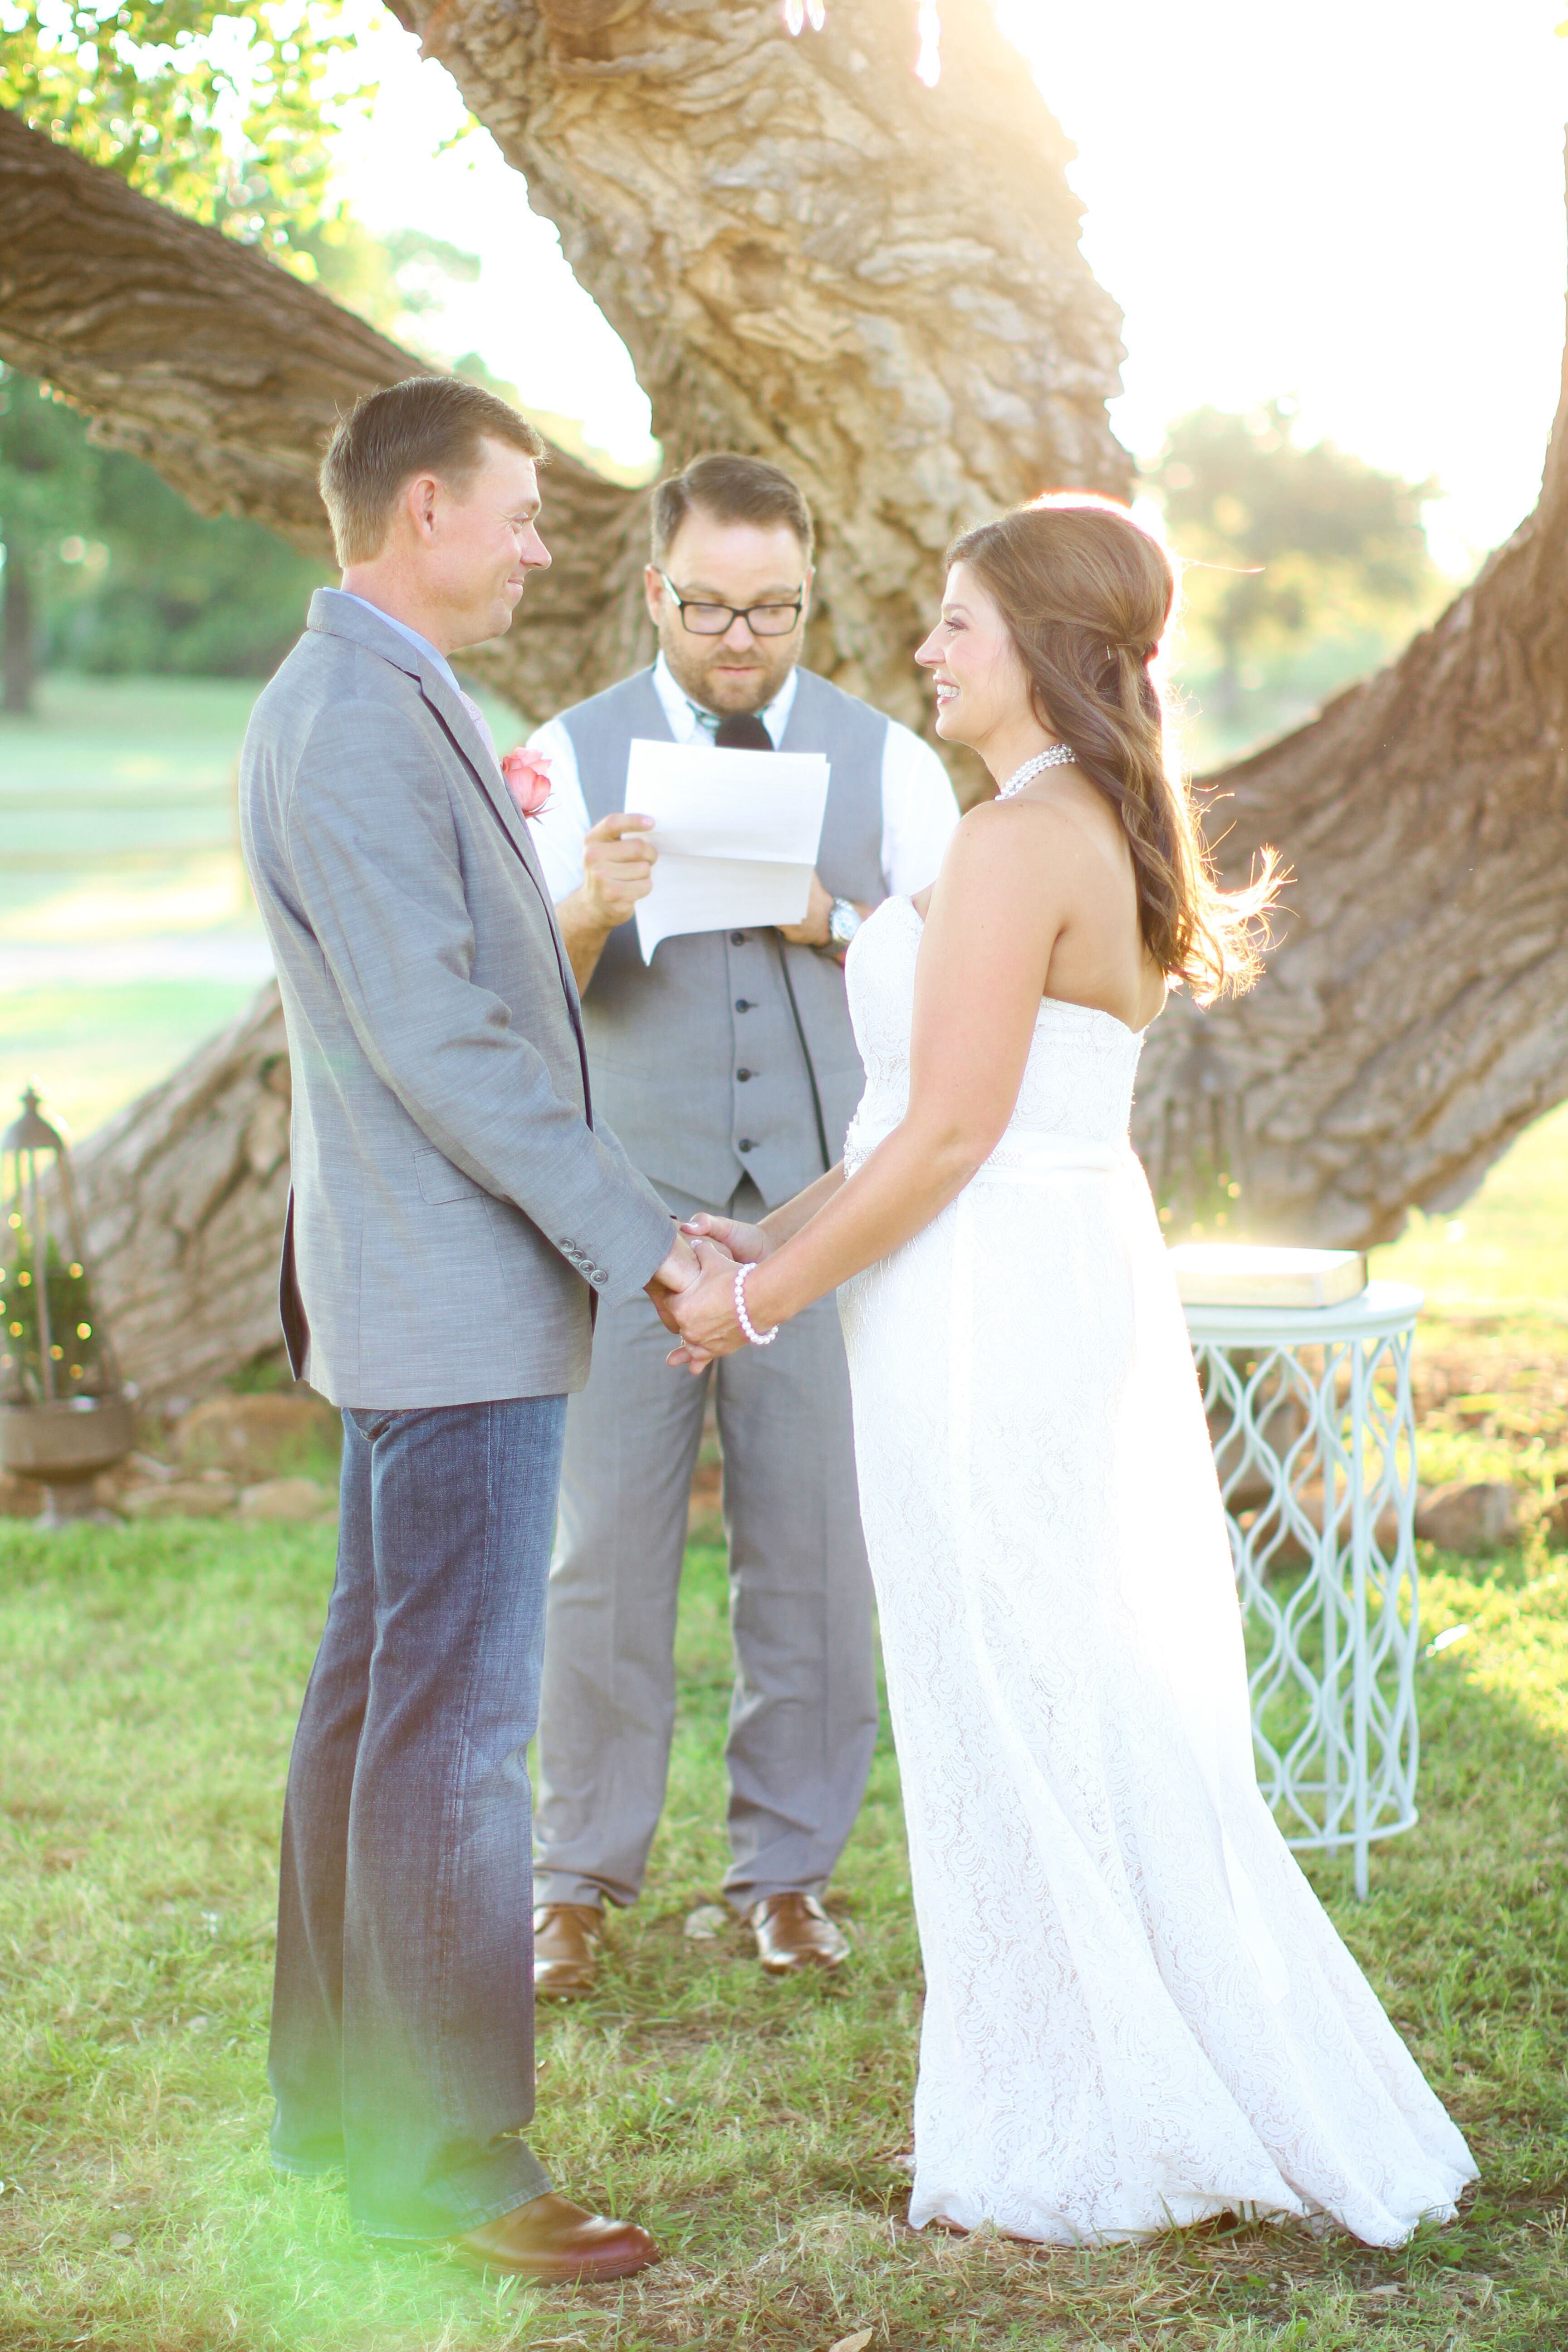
(813, 931)
(618, 870)
(617, 867)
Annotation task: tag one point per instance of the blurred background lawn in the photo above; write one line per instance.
(127, 929)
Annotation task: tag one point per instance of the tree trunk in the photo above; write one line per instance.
(1414, 1015)
(763, 221)
(17, 634)
(184, 1194)
(813, 258)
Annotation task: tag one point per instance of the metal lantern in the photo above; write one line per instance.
(64, 1415)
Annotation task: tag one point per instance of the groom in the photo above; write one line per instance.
(455, 1218)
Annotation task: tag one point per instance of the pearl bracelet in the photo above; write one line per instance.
(758, 1338)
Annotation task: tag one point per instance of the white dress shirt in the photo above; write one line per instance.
(918, 811)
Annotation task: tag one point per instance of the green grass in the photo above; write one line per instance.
(1505, 1252)
(149, 1680)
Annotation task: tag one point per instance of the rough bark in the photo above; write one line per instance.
(774, 240)
(183, 1193)
(227, 374)
(1415, 1014)
(812, 257)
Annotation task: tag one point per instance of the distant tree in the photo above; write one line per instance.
(1289, 545)
(47, 484)
(107, 568)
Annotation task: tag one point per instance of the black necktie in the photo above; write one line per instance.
(743, 733)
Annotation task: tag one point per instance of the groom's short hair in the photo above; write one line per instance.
(727, 487)
(428, 424)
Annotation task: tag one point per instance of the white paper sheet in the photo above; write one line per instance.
(736, 832)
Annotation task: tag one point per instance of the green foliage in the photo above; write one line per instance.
(394, 281)
(148, 1679)
(125, 576)
(1289, 547)
(215, 110)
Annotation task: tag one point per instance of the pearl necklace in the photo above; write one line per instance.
(1060, 755)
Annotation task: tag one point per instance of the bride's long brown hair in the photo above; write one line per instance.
(1087, 595)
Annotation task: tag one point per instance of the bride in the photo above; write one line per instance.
(1137, 2013)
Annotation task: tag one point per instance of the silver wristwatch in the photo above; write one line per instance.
(843, 922)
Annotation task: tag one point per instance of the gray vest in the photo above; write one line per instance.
(731, 1053)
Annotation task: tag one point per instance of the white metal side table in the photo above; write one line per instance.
(1315, 1444)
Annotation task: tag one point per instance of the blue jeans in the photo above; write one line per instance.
(403, 2007)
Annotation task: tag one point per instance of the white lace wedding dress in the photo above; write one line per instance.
(1137, 2013)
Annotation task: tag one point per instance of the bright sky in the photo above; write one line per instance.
(1360, 203)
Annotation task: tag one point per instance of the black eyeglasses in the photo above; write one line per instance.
(713, 620)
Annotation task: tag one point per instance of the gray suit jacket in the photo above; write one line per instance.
(454, 1209)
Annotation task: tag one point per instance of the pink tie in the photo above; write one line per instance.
(482, 723)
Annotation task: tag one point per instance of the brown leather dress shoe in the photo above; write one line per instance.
(550, 2238)
(792, 1932)
(566, 1938)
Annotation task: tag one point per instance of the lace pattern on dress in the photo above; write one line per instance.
(1136, 2009)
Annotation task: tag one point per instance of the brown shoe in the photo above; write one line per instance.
(566, 1938)
(793, 1931)
(548, 2239)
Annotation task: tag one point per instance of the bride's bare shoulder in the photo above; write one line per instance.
(1020, 845)
(997, 834)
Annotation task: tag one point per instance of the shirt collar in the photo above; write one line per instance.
(685, 722)
(421, 645)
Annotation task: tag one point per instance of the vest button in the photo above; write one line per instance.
(742, 1076)
(737, 938)
(745, 1144)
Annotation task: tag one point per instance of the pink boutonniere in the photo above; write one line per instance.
(527, 777)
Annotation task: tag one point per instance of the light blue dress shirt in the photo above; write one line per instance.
(422, 645)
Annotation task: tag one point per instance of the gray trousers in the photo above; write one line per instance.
(802, 1716)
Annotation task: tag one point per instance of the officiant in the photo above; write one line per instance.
(728, 1068)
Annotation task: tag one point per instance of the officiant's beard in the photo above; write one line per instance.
(725, 677)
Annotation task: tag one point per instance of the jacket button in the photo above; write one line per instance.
(745, 1144)
(743, 1004)
(742, 1076)
(737, 938)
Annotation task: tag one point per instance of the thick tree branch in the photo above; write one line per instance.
(1415, 1017)
(227, 374)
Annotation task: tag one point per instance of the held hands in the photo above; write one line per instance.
(747, 1244)
(681, 1270)
(703, 1312)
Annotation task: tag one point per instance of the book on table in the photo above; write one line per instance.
(1242, 1273)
